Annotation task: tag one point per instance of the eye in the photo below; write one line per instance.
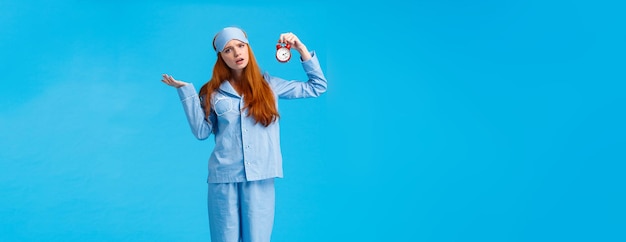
(226, 51)
(241, 45)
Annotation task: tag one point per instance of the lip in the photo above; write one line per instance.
(239, 61)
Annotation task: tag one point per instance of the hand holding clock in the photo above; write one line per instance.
(295, 43)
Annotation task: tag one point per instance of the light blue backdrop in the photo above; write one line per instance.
(444, 120)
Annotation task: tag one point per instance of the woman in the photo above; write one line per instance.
(239, 106)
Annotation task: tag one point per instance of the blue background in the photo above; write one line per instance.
(443, 121)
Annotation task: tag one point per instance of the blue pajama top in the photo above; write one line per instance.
(245, 151)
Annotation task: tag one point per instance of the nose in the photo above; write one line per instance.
(236, 52)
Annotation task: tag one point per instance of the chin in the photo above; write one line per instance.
(238, 67)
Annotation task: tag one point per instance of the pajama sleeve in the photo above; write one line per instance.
(200, 126)
(314, 87)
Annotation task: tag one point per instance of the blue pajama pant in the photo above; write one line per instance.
(242, 211)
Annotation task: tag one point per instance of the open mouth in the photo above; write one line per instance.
(239, 61)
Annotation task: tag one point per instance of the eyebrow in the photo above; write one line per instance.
(233, 46)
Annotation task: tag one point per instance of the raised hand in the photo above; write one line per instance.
(170, 81)
(294, 41)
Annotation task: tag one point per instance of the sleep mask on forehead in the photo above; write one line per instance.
(228, 34)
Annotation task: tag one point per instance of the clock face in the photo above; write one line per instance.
(283, 54)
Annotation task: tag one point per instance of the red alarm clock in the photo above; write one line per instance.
(283, 52)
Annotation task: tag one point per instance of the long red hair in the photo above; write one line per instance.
(258, 96)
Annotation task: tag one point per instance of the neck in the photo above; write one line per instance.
(236, 75)
(235, 80)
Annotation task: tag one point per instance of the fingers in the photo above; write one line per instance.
(169, 80)
(294, 41)
(166, 79)
(288, 38)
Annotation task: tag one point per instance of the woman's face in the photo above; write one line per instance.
(235, 54)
